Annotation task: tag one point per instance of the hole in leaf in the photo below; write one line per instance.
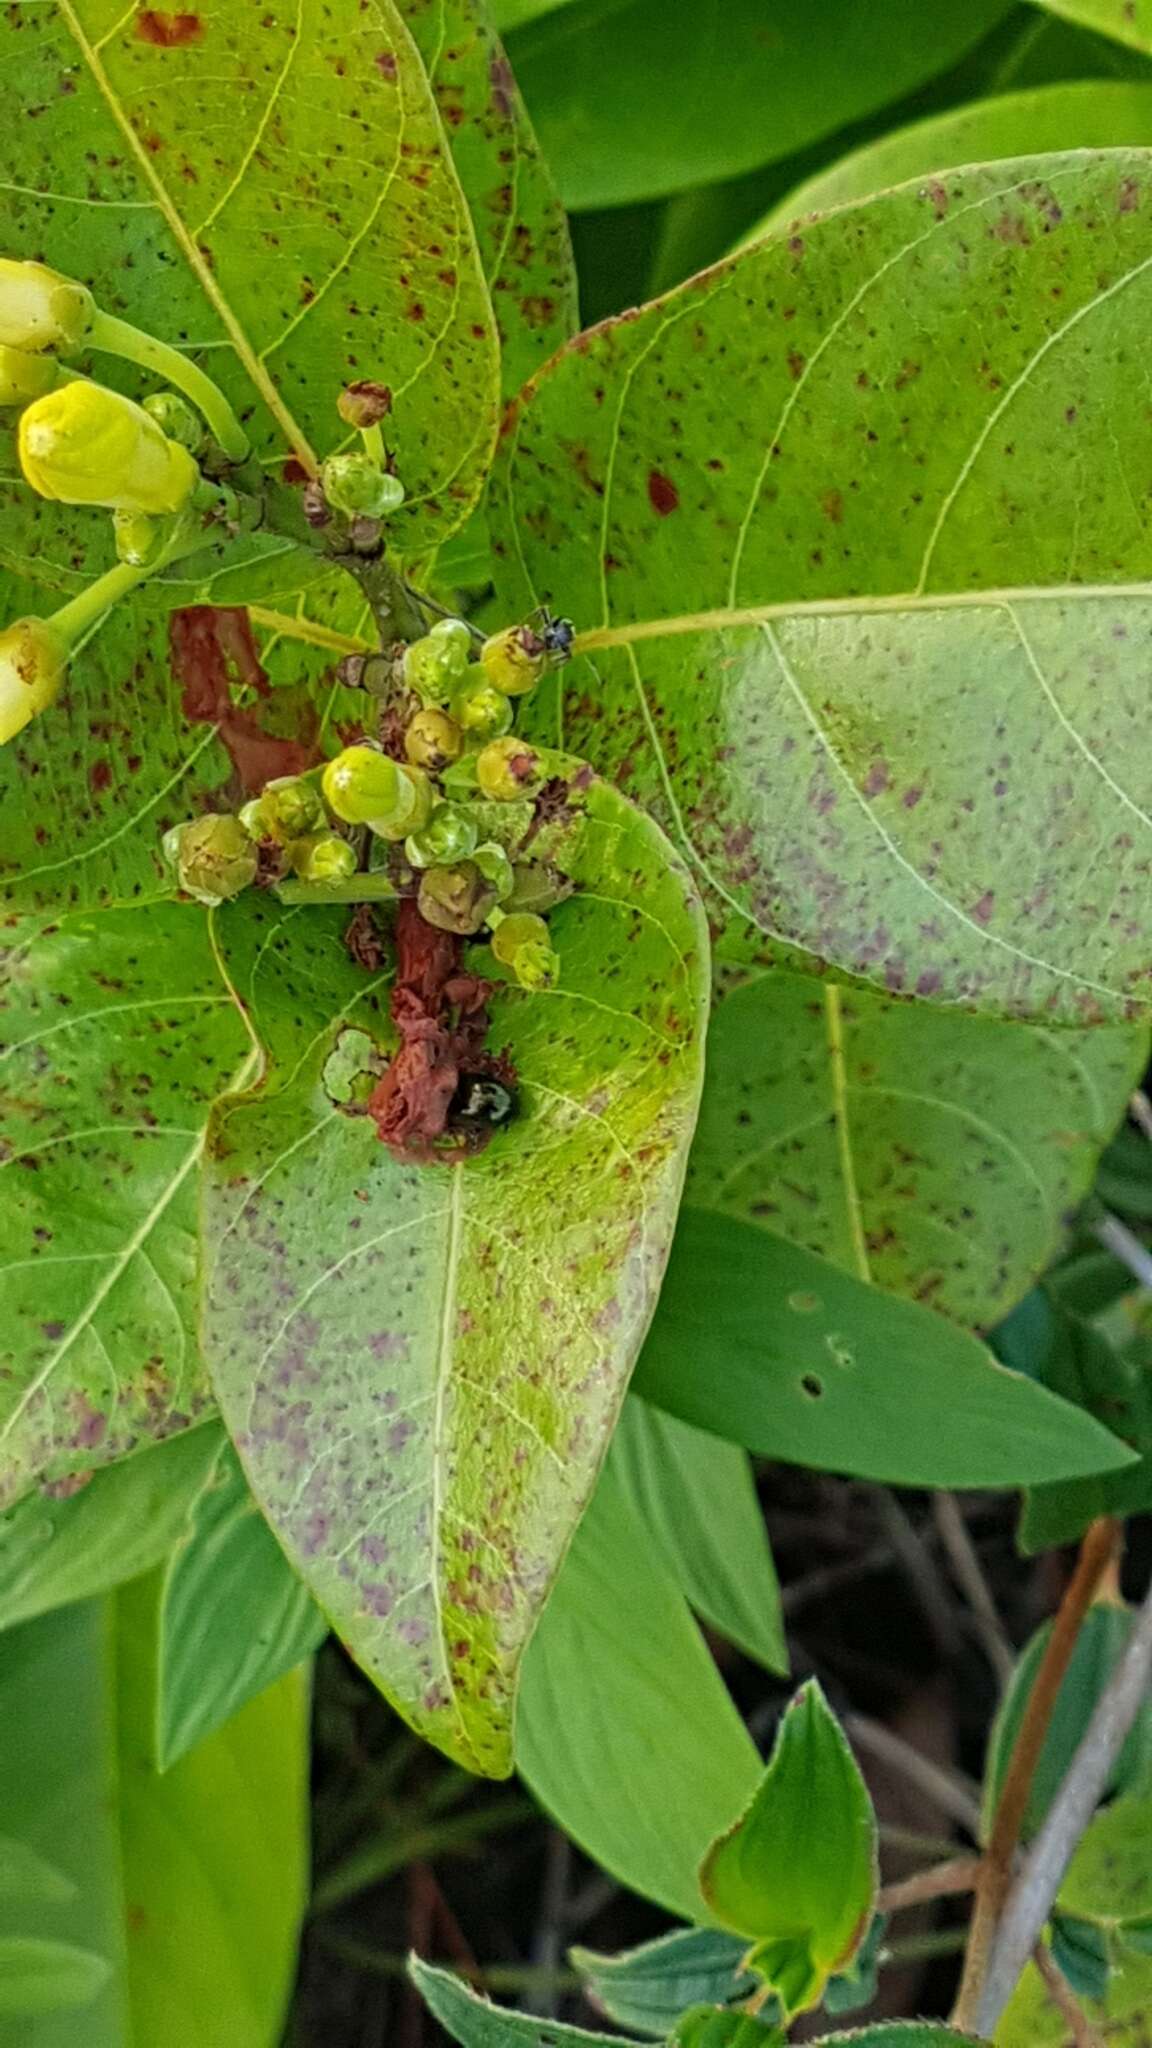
(812, 1386)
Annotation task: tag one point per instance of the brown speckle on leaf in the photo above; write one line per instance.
(168, 31)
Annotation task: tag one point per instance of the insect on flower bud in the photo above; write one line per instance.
(508, 768)
(449, 835)
(483, 713)
(39, 309)
(456, 899)
(24, 376)
(356, 485)
(88, 446)
(33, 658)
(432, 740)
(322, 857)
(288, 808)
(213, 857)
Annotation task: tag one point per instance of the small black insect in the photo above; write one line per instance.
(556, 635)
(481, 1103)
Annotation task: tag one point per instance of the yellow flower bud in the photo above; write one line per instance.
(24, 376)
(33, 658)
(40, 309)
(88, 446)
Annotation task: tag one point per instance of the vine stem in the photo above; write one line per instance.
(1034, 1891)
(1097, 1553)
(1084, 2034)
(115, 337)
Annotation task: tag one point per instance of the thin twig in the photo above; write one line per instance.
(1034, 1891)
(1084, 2034)
(949, 1791)
(1096, 1553)
(1125, 1246)
(961, 1550)
(920, 1569)
(910, 1842)
(943, 1881)
(1140, 1111)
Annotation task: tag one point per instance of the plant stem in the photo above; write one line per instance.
(957, 1541)
(307, 630)
(348, 889)
(1084, 2034)
(1096, 1553)
(86, 610)
(948, 1791)
(373, 441)
(1086, 1779)
(942, 1881)
(119, 338)
(1125, 1246)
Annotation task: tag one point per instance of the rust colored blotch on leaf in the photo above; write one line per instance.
(662, 493)
(168, 31)
(213, 651)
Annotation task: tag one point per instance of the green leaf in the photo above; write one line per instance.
(275, 192)
(190, 1886)
(521, 227)
(1032, 2021)
(795, 1359)
(1089, 114)
(1130, 21)
(625, 1731)
(855, 630)
(1081, 1952)
(621, 126)
(698, 1498)
(1099, 1647)
(797, 1872)
(1079, 1362)
(31, 1878)
(475, 2022)
(934, 1153)
(1109, 1880)
(421, 1392)
(233, 1615)
(121, 1523)
(117, 1034)
(646, 1989)
(902, 2034)
(852, 1989)
(38, 1976)
(705, 2027)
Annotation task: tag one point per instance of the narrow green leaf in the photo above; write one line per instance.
(627, 129)
(38, 1976)
(625, 1731)
(881, 720)
(646, 1989)
(1099, 1646)
(273, 190)
(795, 1359)
(934, 1153)
(1032, 2021)
(233, 1615)
(116, 1035)
(1089, 114)
(1130, 21)
(1109, 1879)
(121, 1523)
(476, 2023)
(797, 1872)
(422, 1391)
(698, 1498)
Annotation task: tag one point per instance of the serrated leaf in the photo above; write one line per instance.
(697, 1496)
(901, 2034)
(647, 1988)
(233, 1616)
(421, 1393)
(476, 2023)
(120, 1523)
(272, 190)
(626, 129)
(1109, 1879)
(1031, 2020)
(38, 1975)
(624, 1730)
(797, 1872)
(1130, 21)
(935, 1153)
(852, 1989)
(521, 227)
(1099, 1647)
(117, 1033)
(893, 689)
(795, 1359)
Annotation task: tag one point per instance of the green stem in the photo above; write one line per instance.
(119, 338)
(349, 889)
(373, 441)
(75, 618)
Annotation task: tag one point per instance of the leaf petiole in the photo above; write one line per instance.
(116, 337)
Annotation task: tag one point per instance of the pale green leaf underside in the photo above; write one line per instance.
(860, 523)
(422, 1391)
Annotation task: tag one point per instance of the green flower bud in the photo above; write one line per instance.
(39, 309)
(356, 485)
(455, 638)
(33, 658)
(24, 376)
(88, 446)
(482, 712)
(176, 418)
(519, 928)
(322, 857)
(514, 660)
(213, 856)
(416, 819)
(288, 808)
(456, 899)
(493, 862)
(364, 404)
(432, 741)
(431, 668)
(536, 886)
(509, 768)
(449, 835)
(536, 968)
(361, 786)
